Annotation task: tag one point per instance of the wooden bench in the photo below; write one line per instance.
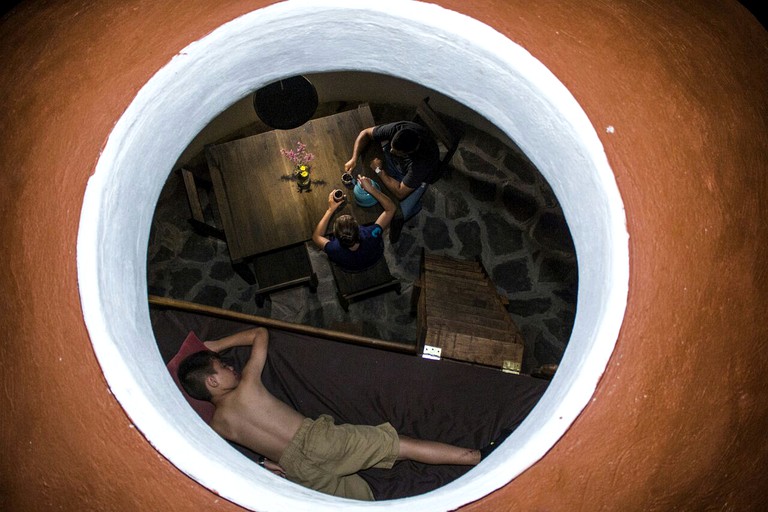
(461, 315)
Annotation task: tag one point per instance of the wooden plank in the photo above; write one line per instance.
(475, 349)
(460, 283)
(445, 264)
(443, 257)
(457, 296)
(459, 300)
(447, 310)
(450, 296)
(471, 321)
(448, 272)
(439, 263)
(193, 196)
(191, 307)
(471, 329)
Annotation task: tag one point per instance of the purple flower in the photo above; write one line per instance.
(300, 155)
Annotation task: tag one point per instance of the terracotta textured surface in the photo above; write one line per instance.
(678, 420)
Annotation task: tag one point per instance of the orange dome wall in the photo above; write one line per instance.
(678, 420)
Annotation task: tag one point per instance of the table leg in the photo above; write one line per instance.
(244, 271)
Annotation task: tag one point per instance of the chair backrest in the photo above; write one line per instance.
(354, 286)
(449, 138)
(205, 225)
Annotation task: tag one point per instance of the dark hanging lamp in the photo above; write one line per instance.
(286, 104)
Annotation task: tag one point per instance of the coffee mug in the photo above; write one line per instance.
(338, 195)
(347, 179)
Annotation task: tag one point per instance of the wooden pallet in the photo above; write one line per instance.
(461, 315)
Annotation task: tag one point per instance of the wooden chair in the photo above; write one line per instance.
(204, 211)
(355, 286)
(448, 137)
(281, 269)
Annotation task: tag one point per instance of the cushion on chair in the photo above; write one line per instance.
(191, 345)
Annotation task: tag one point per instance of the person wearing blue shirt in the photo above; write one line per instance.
(354, 247)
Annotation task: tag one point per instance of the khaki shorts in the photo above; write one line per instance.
(326, 457)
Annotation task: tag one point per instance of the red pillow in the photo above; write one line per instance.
(191, 345)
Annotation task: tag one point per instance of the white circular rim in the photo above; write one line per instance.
(424, 43)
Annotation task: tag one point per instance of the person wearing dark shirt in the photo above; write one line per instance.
(411, 161)
(354, 247)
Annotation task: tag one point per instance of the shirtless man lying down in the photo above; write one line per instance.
(314, 453)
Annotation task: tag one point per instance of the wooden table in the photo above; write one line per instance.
(261, 206)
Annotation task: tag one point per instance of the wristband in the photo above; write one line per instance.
(261, 461)
(378, 170)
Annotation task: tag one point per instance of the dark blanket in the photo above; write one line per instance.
(444, 401)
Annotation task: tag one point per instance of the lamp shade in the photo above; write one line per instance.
(287, 103)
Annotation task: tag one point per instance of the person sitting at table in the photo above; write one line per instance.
(411, 161)
(354, 247)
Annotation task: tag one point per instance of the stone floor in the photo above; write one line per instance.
(494, 205)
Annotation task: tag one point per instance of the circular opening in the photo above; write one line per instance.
(497, 79)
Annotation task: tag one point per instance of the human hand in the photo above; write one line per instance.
(350, 164)
(274, 467)
(365, 183)
(332, 203)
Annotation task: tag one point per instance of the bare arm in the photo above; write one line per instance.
(257, 338)
(400, 190)
(242, 338)
(361, 142)
(254, 366)
(389, 206)
(318, 235)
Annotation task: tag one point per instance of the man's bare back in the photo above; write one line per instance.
(246, 413)
(250, 416)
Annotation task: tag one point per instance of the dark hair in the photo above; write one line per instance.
(406, 140)
(346, 229)
(193, 371)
